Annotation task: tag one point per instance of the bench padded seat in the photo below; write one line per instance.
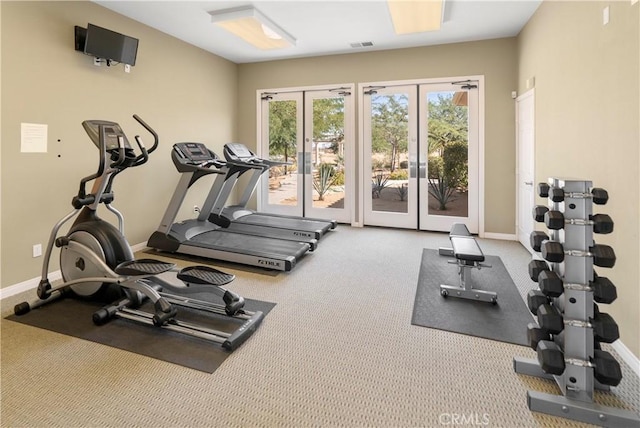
(466, 248)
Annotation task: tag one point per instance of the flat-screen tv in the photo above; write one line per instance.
(106, 44)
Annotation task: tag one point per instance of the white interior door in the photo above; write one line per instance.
(525, 175)
(449, 156)
(389, 156)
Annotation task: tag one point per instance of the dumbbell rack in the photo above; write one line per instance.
(577, 382)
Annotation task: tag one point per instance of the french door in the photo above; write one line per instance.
(421, 155)
(390, 156)
(311, 133)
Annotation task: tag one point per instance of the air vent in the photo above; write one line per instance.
(361, 44)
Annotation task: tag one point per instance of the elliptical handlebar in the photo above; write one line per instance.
(156, 140)
(143, 157)
(121, 149)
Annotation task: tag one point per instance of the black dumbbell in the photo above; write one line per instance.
(599, 195)
(535, 298)
(535, 267)
(538, 213)
(543, 190)
(535, 334)
(606, 369)
(550, 283)
(536, 238)
(605, 328)
(603, 325)
(603, 255)
(550, 357)
(601, 223)
(550, 319)
(603, 289)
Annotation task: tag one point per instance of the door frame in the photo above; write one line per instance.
(350, 160)
(528, 94)
(359, 220)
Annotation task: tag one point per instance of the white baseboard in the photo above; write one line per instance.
(27, 285)
(32, 283)
(139, 247)
(500, 236)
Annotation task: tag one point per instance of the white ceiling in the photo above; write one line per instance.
(324, 27)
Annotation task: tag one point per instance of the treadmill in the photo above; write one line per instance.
(199, 237)
(239, 160)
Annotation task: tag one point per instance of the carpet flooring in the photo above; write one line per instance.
(338, 350)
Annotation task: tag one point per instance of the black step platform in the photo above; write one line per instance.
(204, 275)
(143, 267)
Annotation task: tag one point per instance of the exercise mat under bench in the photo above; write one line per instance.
(505, 322)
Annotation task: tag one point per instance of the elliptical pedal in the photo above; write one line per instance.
(143, 267)
(205, 275)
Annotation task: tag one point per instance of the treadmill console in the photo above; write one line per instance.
(194, 153)
(190, 157)
(238, 152)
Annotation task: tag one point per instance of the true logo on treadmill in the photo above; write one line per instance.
(268, 262)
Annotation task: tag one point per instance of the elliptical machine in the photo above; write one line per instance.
(97, 262)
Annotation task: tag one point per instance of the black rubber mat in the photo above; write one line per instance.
(505, 322)
(73, 317)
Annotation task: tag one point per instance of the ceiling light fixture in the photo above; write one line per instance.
(252, 26)
(416, 16)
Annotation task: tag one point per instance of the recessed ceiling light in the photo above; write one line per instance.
(415, 16)
(252, 26)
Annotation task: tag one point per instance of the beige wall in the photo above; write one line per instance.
(587, 122)
(185, 93)
(495, 59)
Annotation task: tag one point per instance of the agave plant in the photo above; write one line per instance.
(441, 190)
(380, 181)
(324, 179)
(402, 191)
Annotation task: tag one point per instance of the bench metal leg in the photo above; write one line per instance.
(480, 295)
(465, 290)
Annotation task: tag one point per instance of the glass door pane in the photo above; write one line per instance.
(281, 141)
(329, 144)
(390, 150)
(449, 140)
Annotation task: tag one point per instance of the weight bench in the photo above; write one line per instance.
(468, 256)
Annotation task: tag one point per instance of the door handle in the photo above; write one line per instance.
(529, 183)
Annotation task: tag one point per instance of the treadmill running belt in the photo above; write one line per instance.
(240, 242)
(283, 222)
